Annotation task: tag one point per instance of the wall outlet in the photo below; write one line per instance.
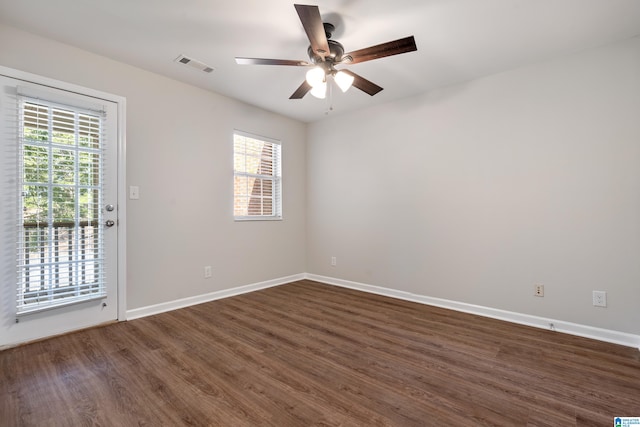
(334, 261)
(599, 298)
(538, 290)
(208, 272)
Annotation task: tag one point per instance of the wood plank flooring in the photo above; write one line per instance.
(309, 354)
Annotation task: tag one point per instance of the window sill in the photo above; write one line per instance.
(258, 218)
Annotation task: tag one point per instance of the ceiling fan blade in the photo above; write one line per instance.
(363, 84)
(301, 91)
(263, 61)
(407, 44)
(312, 23)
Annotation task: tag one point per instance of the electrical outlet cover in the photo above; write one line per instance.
(599, 298)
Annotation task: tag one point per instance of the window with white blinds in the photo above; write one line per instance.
(60, 245)
(257, 177)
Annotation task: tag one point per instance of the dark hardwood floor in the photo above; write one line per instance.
(308, 354)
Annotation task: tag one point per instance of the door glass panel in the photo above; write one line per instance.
(60, 250)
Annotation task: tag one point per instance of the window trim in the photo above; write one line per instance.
(277, 179)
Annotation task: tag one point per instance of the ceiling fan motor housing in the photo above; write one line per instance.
(336, 50)
(335, 53)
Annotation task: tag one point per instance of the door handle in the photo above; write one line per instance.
(109, 223)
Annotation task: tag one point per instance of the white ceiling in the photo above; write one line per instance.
(458, 40)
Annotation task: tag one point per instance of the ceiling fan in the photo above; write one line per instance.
(325, 53)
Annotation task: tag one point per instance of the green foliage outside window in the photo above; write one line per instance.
(51, 168)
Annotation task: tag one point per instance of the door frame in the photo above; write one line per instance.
(120, 102)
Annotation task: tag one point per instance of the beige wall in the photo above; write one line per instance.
(179, 152)
(470, 193)
(475, 192)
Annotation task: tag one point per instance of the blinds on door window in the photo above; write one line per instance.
(60, 254)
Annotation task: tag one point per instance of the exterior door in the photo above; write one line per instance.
(59, 210)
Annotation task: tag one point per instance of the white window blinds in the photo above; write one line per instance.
(60, 245)
(257, 177)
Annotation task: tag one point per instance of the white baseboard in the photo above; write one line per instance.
(150, 310)
(606, 335)
(570, 328)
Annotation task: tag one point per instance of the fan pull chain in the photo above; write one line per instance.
(330, 99)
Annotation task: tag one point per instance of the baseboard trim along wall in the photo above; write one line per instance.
(615, 337)
(150, 310)
(585, 331)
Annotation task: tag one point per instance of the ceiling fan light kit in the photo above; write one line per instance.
(325, 53)
(343, 80)
(316, 76)
(319, 91)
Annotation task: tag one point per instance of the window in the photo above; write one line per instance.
(256, 178)
(60, 246)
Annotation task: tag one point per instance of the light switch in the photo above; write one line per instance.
(134, 192)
